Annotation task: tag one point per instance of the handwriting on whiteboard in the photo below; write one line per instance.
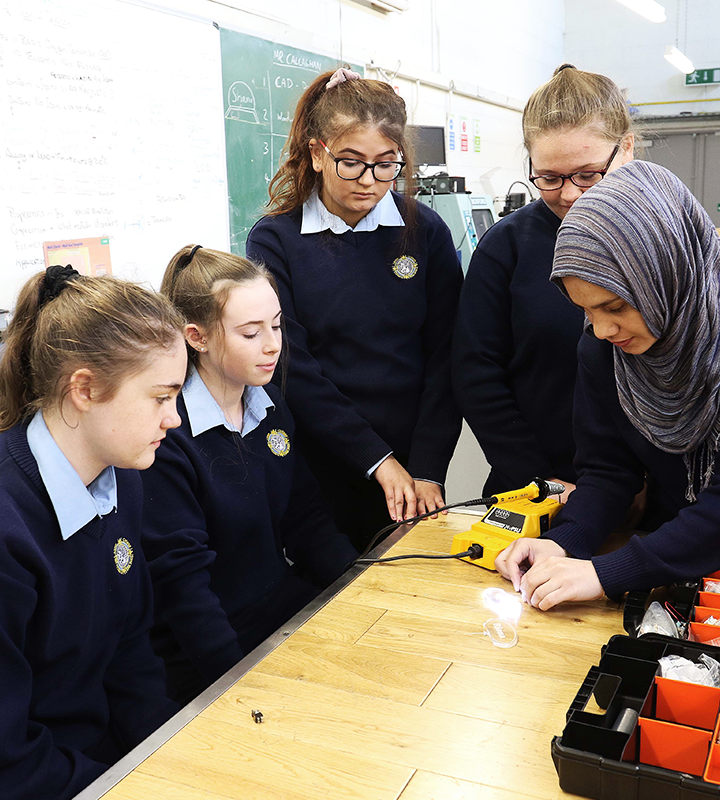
(111, 126)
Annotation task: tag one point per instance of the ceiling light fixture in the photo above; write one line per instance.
(391, 5)
(646, 8)
(678, 60)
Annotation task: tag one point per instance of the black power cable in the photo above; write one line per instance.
(474, 551)
(482, 501)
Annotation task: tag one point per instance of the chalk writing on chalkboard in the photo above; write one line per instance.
(262, 82)
(241, 104)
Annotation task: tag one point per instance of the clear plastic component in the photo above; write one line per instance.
(501, 632)
(657, 620)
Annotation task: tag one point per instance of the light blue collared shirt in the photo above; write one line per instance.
(317, 218)
(204, 412)
(74, 503)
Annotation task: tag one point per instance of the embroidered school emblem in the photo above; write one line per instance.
(123, 554)
(278, 442)
(405, 267)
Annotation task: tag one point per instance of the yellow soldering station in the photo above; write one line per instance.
(525, 512)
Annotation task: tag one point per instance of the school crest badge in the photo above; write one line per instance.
(123, 554)
(278, 442)
(405, 267)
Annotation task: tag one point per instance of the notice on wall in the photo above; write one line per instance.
(464, 134)
(87, 256)
(703, 77)
(452, 132)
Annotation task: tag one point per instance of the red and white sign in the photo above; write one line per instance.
(463, 134)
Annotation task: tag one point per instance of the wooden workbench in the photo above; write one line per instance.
(389, 691)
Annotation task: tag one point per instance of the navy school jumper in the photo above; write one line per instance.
(612, 459)
(369, 351)
(219, 511)
(514, 352)
(79, 682)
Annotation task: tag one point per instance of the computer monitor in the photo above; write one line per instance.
(483, 219)
(483, 212)
(429, 143)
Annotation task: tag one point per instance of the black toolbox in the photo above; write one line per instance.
(653, 738)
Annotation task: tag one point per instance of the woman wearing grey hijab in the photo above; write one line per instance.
(642, 258)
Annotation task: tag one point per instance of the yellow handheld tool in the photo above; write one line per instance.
(525, 512)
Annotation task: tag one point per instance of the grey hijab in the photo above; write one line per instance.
(641, 235)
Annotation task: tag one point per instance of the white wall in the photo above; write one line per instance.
(500, 51)
(605, 36)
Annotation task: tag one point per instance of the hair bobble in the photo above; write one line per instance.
(55, 280)
(186, 261)
(340, 76)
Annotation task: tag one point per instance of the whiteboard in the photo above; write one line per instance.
(111, 124)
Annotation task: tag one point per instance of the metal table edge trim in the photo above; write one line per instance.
(122, 768)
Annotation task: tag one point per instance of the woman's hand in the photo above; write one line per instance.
(522, 554)
(399, 489)
(429, 497)
(560, 580)
(569, 489)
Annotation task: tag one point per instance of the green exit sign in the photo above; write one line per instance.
(703, 76)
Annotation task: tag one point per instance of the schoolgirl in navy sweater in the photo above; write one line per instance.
(640, 255)
(88, 382)
(236, 534)
(369, 283)
(514, 362)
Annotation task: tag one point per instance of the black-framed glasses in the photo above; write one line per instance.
(350, 169)
(584, 179)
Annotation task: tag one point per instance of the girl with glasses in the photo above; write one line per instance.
(641, 258)
(514, 357)
(88, 381)
(236, 533)
(369, 281)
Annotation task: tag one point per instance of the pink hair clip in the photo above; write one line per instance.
(341, 75)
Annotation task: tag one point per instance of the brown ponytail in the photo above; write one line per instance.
(106, 325)
(576, 99)
(326, 114)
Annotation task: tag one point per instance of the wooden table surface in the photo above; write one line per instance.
(392, 691)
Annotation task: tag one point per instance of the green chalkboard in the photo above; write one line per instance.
(262, 82)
